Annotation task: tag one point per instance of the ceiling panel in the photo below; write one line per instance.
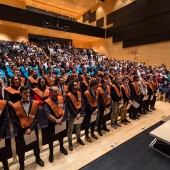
(72, 8)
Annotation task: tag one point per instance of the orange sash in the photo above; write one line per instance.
(40, 93)
(155, 84)
(101, 73)
(150, 86)
(85, 82)
(127, 92)
(58, 110)
(106, 99)
(12, 91)
(77, 103)
(82, 76)
(65, 78)
(25, 120)
(50, 82)
(2, 105)
(143, 82)
(118, 92)
(22, 80)
(93, 102)
(136, 88)
(112, 76)
(130, 78)
(32, 80)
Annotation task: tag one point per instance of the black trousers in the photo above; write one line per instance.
(88, 125)
(153, 102)
(101, 120)
(148, 102)
(21, 148)
(52, 137)
(4, 159)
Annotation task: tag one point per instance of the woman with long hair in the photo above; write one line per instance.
(41, 93)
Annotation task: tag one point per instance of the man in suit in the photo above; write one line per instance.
(25, 118)
(117, 100)
(104, 103)
(54, 111)
(91, 108)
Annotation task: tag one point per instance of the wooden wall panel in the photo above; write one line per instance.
(14, 3)
(102, 9)
(80, 44)
(13, 34)
(32, 18)
(100, 22)
(151, 54)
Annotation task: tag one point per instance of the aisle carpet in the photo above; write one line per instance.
(134, 154)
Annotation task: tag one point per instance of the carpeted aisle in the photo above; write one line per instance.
(135, 154)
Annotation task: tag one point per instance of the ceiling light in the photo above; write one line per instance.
(0, 22)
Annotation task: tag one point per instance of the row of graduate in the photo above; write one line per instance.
(52, 105)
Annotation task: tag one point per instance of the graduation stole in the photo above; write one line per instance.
(12, 90)
(86, 83)
(77, 103)
(150, 86)
(22, 80)
(50, 82)
(127, 90)
(143, 83)
(57, 109)
(41, 93)
(32, 80)
(118, 92)
(112, 76)
(155, 84)
(2, 106)
(93, 101)
(25, 120)
(65, 78)
(130, 78)
(136, 88)
(105, 98)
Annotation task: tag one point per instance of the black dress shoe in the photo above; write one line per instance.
(124, 122)
(40, 162)
(145, 112)
(106, 129)
(80, 142)
(70, 146)
(51, 158)
(136, 117)
(100, 133)
(113, 125)
(94, 136)
(64, 151)
(117, 124)
(127, 121)
(133, 118)
(148, 110)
